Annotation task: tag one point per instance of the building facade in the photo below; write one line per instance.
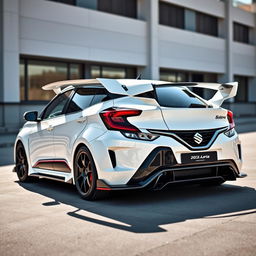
(42, 41)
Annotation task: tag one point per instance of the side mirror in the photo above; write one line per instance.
(31, 116)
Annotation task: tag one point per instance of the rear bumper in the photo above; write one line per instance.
(196, 173)
(119, 160)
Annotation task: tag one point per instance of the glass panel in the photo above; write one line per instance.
(206, 24)
(242, 91)
(241, 33)
(81, 100)
(131, 73)
(181, 77)
(90, 4)
(168, 76)
(75, 71)
(177, 98)
(95, 72)
(41, 73)
(57, 106)
(22, 80)
(171, 15)
(71, 2)
(120, 7)
(113, 72)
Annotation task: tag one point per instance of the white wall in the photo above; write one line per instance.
(244, 59)
(11, 88)
(64, 31)
(181, 49)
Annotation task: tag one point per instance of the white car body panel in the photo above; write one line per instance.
(86, 127)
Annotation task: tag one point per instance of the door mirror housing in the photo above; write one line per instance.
(31, 116)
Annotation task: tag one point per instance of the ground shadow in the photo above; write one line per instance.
(146, 211)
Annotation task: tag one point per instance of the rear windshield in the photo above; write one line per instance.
(176, 97)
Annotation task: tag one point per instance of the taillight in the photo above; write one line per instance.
(230, 131)
(231, 120)
(116, 119)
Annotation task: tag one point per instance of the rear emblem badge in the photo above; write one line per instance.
(198, 138)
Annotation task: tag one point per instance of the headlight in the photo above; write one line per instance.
(230, 133)
(140, 136)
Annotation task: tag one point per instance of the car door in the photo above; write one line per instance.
(41, 140)
(68, 127)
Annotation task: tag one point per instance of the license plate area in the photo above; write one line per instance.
(198, 157)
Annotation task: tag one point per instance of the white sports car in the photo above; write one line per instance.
(106, 134)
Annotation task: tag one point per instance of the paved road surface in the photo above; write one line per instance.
(48, 218)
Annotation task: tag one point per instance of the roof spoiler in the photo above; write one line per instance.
(224, 91)
(132, 87)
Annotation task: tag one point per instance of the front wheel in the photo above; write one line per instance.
(85, 175)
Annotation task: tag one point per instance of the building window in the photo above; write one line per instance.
(173, 76)
(171, 15)
(241, 33)
(71, 2)
(242, 91)
(126, 8)
(206, 24)
(36, 73)
(22, 80)
(112, 72)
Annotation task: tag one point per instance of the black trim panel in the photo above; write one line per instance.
(59, 165)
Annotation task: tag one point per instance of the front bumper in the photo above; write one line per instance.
(118, 159)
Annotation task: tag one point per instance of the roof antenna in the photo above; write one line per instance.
(138, 77)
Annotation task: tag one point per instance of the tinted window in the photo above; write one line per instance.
(171, 15)
(81, 100)
(57, 106)
(241, 33)
(177, 98)
(121, 7)
(242, 91)
(206, 24)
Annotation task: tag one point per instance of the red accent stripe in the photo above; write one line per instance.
(104, 189)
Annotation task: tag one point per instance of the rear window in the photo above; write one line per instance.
(176, 97)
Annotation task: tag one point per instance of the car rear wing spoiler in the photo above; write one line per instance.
(224, 91)
(133, 87)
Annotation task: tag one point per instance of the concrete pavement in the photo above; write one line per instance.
(49, 218)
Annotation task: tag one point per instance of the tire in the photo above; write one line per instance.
(21, 163)
(85, 175)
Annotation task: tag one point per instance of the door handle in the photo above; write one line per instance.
(50, 128)
(81, 119)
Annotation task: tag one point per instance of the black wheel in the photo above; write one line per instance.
(21, 163)
(85, 175)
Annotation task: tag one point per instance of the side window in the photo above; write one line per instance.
(56, 107)
(100, 96)
(81, 100)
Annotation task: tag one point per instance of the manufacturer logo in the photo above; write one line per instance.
(220, 117)
(198, 138)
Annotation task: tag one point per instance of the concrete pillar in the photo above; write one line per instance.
(11, 89)
(148, 10)
(1, 52)
(229, 76)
